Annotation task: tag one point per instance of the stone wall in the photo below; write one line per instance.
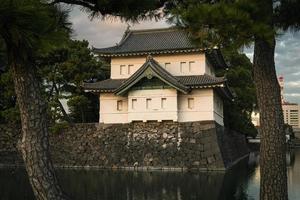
(9, 136)
(156, 145)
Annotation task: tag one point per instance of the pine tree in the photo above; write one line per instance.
(26, 28)
(236, 23)
(63, 70)
(237, 113)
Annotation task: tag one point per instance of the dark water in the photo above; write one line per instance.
(241, 183)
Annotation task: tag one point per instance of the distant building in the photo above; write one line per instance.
(291, 111)
(291, 114)
(159, 75)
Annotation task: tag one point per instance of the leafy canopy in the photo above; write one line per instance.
(238, 112)
(29, 27)
(125, 9)
(63, 70)
(233, 23)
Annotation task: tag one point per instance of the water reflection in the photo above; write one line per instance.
(240, 183)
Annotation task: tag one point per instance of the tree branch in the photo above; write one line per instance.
(66, 116)
(79, 3)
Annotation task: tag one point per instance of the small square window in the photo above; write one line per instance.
(167, 65)
(163, 103)
(148, 103)
(130, 69)
(190, 103)
(133, 103)
(183, 67)
(119, 105)
(122, 69)
(191, 65)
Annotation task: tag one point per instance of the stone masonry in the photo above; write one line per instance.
(156, 145)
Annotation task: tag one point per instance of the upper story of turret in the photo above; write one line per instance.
(170, 47)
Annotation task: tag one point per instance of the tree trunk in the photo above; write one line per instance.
(35, 145)
(273, 184)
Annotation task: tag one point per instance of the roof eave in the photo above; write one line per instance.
(225, 91)
(216, 58)
(153, 52)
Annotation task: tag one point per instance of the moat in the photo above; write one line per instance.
(240, 183)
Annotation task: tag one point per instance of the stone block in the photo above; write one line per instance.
(210, 160)
(170, 143)
(193, 141)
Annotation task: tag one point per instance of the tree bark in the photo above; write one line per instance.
(34, 144)
(273, 184)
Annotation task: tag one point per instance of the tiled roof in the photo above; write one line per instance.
(200, 80)
(110, 85)
(152, 40)
(106, 85)
(159, 41)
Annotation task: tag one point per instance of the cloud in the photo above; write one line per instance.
(292, 94)
(292, 84)
(296, 73)
(104, 33)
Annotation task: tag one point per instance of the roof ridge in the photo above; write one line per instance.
(210, 76)
(149, 30)
(129, 32)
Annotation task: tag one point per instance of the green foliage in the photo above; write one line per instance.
(84, 108)
(10, 115)
(287, 15)
(125, 9)
(63, 64)
(233, 23)
(58, 128)
(63, 71)
(9, 112)
(71, 65)
(239, 75)
(29, 27)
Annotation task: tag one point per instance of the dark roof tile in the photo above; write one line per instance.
(150, 40)
(159, 41)
(189, 81)
(200, 80)
(108, 84)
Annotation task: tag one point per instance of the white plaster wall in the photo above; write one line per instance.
(108, 109)
(199, 66)
(203, 106)
(207, 106)
(218, 109)
(155, 111)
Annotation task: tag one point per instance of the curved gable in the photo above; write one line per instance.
(151, 69)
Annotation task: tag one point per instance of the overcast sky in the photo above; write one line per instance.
(106, 33)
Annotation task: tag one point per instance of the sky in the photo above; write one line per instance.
(104, 33)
